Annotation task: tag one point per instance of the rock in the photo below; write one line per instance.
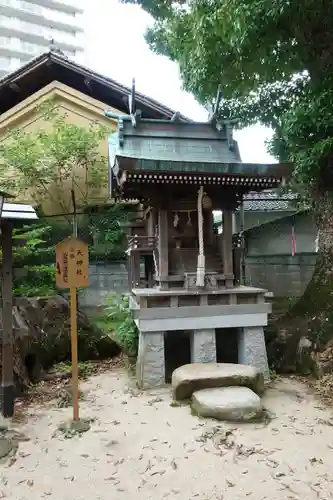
(42, 337)
(235, 404)
(6, 447)
(190, 378)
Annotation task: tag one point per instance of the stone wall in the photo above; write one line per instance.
(274, 238)
(268, 259)
(104, 279)
(284, 275)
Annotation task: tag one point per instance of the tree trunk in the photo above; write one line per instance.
(316, 304)
(312, 315)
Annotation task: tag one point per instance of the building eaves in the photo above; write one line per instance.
(50, 57)
(19, 212)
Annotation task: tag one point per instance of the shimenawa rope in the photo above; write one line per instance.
(201, 257)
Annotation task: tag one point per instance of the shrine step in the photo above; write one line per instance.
(233, 404)
(190, 378)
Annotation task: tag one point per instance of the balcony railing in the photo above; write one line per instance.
(142, 242)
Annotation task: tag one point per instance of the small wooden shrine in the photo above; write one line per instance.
(181, 172)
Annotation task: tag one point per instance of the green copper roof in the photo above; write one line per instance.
(233, 168)
(191, 149)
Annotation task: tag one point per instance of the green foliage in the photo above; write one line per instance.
(38, 281)
(34, 271)
(31, 244)
(34, 248)
(242, 44)
(119, 314)
(46, 165)
(106, 229)
(65, 367)
(40, 164)
(274, 62)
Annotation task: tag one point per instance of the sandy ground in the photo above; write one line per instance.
(140, 447)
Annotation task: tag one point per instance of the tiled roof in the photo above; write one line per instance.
(266, 201)
(269, 201)
(50, 65)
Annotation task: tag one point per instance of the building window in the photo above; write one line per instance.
(31, 7)
(31, 48)
(4, 62)
(34, 28)
(58, 16)
(62, 36)
(4, 41)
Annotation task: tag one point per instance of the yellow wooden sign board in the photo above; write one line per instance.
(72, 263)
(72, 272)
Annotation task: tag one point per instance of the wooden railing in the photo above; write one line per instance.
(142, 242)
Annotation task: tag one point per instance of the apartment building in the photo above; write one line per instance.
(28, 28)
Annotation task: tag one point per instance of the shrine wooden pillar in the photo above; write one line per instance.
(227, 246)
(163, 243)
(149, 261)
(136, 268)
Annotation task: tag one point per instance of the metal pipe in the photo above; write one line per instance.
(242, 225)
(128, 118)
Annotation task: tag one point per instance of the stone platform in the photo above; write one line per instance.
(200, 312)
(224, 391)
(188, 379)
(234, 404)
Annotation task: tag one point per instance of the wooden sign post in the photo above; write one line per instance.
(72, 273)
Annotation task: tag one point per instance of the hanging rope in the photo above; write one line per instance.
(155, 263)
(189, 222)
(176, 220)
(201, 257)
(154, 253)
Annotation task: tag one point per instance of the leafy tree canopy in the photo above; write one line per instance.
(45, 165)
(274, 61)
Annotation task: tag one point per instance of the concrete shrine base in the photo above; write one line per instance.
(241, 308)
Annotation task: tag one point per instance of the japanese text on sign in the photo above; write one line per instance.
(72, 263)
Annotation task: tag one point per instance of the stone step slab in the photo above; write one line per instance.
(196, 376)
(234, 404)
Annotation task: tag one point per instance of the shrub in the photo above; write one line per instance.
(119, 314)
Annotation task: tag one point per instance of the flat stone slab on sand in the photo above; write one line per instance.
(235, 404)
(196, 376)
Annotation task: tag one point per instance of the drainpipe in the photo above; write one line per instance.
(243, 277)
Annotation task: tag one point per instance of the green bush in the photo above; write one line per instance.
(119, 314)
(35, 274)
(37, 281)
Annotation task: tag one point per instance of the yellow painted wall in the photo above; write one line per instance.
(78, 108)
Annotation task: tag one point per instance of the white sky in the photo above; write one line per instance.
(115, 47)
